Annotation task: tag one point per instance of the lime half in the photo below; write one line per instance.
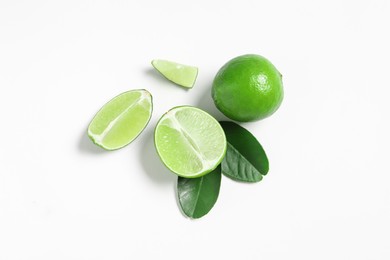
(189, 141)
(121, 120)
(180, 74)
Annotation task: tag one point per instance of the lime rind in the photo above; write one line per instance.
(188, 157)
(248, 88)
(180, 74)
(103, 126)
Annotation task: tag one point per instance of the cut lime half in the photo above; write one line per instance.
(121, 120)
(183, 75)
(189, 141)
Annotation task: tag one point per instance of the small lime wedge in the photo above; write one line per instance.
(183, 75)
(189, 141)
(121, 120)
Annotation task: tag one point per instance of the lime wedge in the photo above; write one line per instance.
(180, 74)
(189, 141)
(121, 120)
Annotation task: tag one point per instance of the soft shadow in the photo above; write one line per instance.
(154, 167)
(151, 163)
(206, 103)
(87, 146)
(151, 72)
(177, 200)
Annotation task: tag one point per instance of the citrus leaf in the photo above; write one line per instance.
(197, 196)
(245, 158)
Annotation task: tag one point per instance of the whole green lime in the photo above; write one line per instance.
(248, 88)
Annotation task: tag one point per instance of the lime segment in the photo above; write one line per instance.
(189, 141)
(121, 120)
(180, 74)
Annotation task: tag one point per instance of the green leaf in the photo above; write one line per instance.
(197, 196)
(245, 158)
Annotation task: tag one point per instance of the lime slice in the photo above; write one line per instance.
(180, 74)
(189, 141)
(121, 120)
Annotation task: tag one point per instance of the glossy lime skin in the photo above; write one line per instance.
(248, 88)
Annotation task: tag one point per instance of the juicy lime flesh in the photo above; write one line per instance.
(189, 141)
(180, 74)
(248, 88)
(121, 120)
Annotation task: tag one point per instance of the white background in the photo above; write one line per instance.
(327, 195)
